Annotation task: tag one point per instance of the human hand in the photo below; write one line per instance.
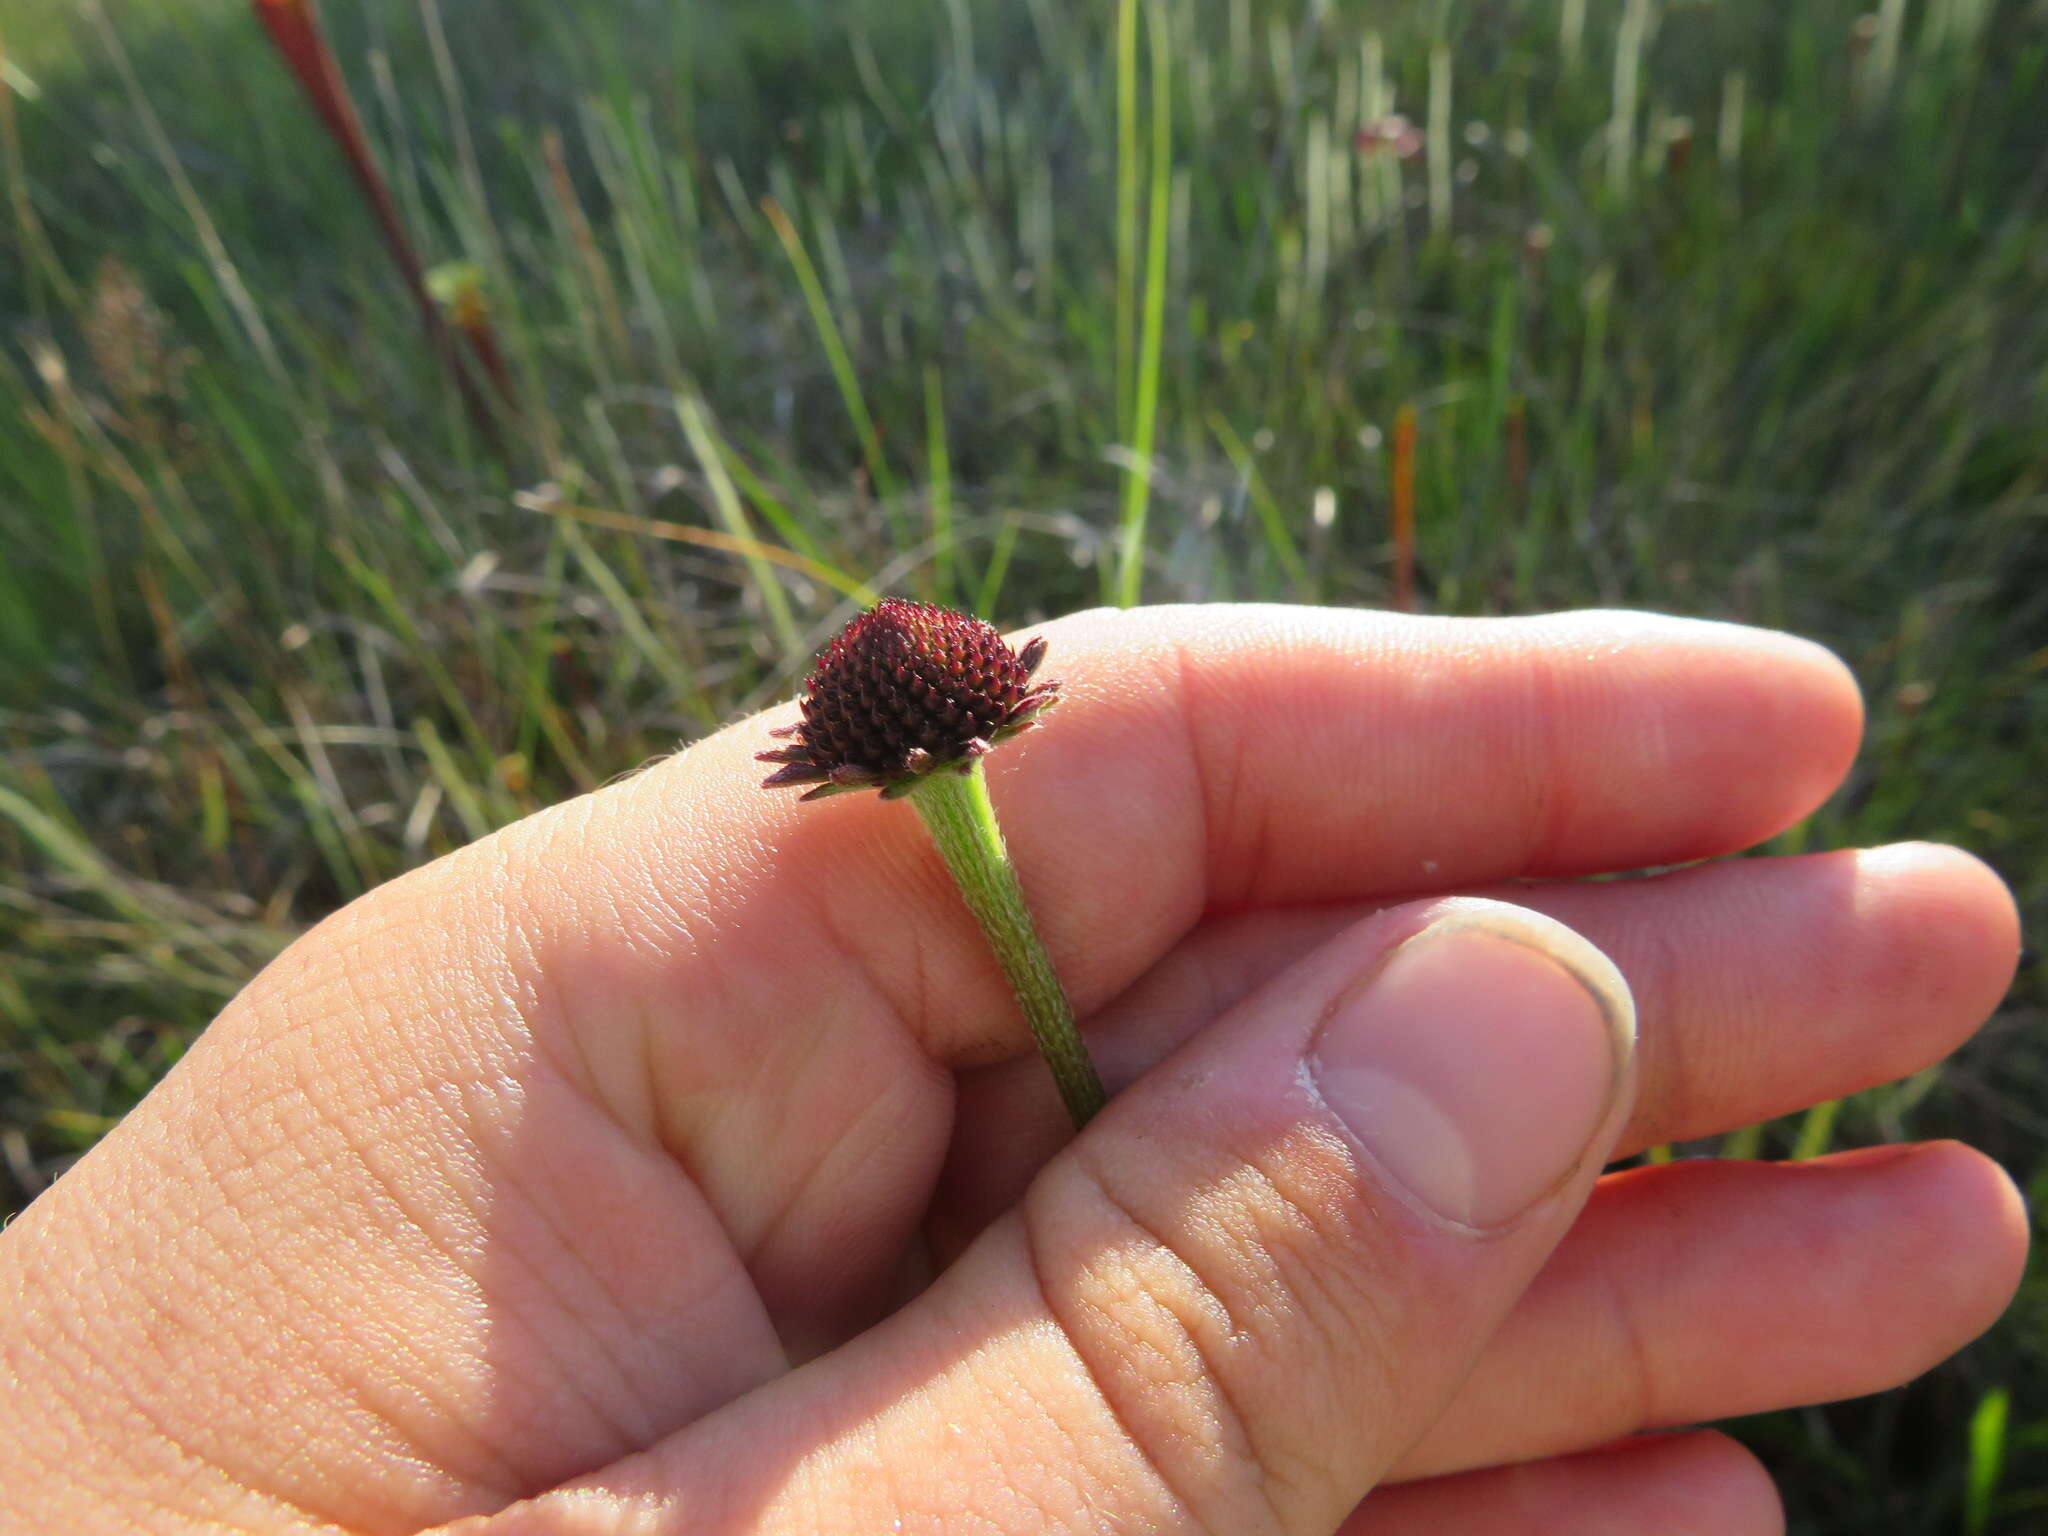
(594, 1178)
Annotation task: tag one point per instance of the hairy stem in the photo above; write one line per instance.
(955, 806)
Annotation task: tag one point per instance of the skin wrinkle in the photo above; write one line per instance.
(644, 915)
(1547, 812)
(461, 1089)
(1633, 1350)
(622, 1376)
(681, 1132)
(1231, 1424)
(566, 1051)
(998, 1392)
(828, 1173)
(438, 1245)
(643, 921)
(1254, 815)
(1899, 970)
(1042, 1288)
(1197, 788)
(1362, 1299)
(529, 986)
(586, 1394)
(211, 1524)
(394, 1021)
(1101, 1181)
(649, 1133)
(57, 1450)
(1360, 1304)
(675, 1141)
(266, 995)
(338, 1384)
(1664, 1065)
(707, 897)
(283, 1330)
(192, 1467)
(680, 1142)
(918, 984)
(67, 1383)
(261, 1111)
(533, 948)
(173, 1330)
(848, 1146)
(903, 999)
(567, 827)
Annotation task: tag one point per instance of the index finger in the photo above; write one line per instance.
(1213, 757)
(791, 985)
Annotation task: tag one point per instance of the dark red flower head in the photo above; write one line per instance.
(905, 690)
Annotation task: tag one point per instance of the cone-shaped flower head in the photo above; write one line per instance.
(905, 690)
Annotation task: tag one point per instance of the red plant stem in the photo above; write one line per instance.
(1404, 510)
(294, 28)
(1518, 457)
(483, 341)
(473, 318)
(1678, 155)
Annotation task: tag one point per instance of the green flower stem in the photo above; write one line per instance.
(955, 806)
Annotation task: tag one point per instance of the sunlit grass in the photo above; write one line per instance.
(1724, 309)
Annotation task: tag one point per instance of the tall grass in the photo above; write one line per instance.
(1014, 304)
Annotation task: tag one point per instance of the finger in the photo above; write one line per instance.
(1700, 1484)
(1239, 1295)
(1700, 1291)
(1261, 756)
(1762, 986)
(1203, 758)
(1779, 983)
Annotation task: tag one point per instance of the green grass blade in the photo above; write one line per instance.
(1130, 560)
(1816, 1131)
(939, 488)
(991, 589)
(834, 343)
(725, 502)
(1987, 1440)
(1271, 521)
(1125, 318)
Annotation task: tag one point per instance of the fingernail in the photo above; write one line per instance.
(1479, 1062)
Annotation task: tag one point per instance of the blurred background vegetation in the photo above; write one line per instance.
(759, 307)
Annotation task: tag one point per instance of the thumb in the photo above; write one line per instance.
(1236, 1299)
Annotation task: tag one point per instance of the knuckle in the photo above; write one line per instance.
(1636, 1380)
(1226, 1320)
